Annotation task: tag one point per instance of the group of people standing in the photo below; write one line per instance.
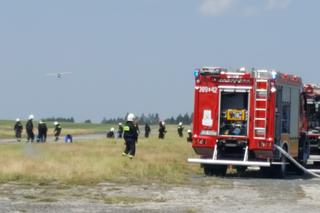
(147, 130)
(42, 130)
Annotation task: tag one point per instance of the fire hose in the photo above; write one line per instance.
(307, 171)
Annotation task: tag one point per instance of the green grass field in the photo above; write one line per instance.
(90, 162)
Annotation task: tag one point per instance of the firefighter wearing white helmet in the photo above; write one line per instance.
(57, 130)
(18, 127)
(189, 138)
(42, 132)
(120, 130)
(180, 130)
(130, 136)
(29, 129)
(162, 129)
(110, 133)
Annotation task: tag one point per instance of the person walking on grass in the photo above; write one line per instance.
(18, 127)
(147, 130)
(29, 129)
(189, 138)
(162, 129)
(180, 130)
(130, 136)
(57, 130)
(120, 130)
(42, 132)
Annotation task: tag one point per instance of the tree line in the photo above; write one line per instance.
(152, 118)
(59, 119)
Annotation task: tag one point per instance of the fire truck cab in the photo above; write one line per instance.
(240, 115)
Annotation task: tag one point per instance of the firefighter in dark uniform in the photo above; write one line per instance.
(130, 136)
(57, 130)
(29, 129)
(189, 138)
(18, 127)
(180, 130)
(110, 134)
(120, 130)
(42, 132)
(162, 129)
(147, 130)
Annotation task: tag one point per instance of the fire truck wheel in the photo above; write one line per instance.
(217, 170)
(279, 171)
(208, 171)
(241, 169)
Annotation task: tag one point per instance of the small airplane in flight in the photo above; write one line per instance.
(58, 74)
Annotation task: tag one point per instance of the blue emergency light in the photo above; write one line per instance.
(196, 73)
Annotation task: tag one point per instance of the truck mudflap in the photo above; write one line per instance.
(215, 161)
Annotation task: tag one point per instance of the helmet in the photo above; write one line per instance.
(189, 131)
(112, 129)
(163, 123)
(31, 117)
(18, 119)
(180, 123)
(55, 123)
(40, 122)
(130, 117)
(120, 124)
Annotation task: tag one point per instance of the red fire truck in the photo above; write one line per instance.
(240, 116)
(312, 94)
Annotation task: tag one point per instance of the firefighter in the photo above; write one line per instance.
(180, 130)
(110, 134)
(29, 129)
(68, 138)
(136, 124)
(42, 132)
(147, 130)
(120, 130)
(130, 136)
(162, 129)
(189, 138)
(18, 127)
(57, 130)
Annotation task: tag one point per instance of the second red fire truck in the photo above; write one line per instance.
(239, 117)
(312, 94)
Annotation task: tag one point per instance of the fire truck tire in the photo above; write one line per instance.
(216, 170)
(241, 169)
(279, 171)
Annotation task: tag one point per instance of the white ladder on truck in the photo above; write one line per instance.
(261, 104)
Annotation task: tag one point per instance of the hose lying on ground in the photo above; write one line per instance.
(295, 162)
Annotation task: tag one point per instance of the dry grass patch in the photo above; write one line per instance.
(97, 161)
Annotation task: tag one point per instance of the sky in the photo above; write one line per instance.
(139, 55)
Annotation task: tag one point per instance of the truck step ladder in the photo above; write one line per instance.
(261, 105)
